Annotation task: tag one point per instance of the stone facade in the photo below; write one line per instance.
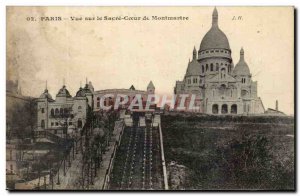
(65, 113)
(220, 87)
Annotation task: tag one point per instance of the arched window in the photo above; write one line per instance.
(244, 93)
(43, 124)
(111, 101)
(79, 108)
(211, 67)
(202, 68)
(56, 112)
(233, 109)
(66, 112)
(222, 89)
(52, 112)
(223, 73)
(224, 109)
(215, 109)
(206, 67)
(79, 123)
(98, 102)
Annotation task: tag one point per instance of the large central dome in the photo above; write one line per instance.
(214, 38)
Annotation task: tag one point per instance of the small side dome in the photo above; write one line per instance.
(193, 69)
(87, 90)
(46, 95)
(63, 92)
(80, 93)
(132, 88)
(241, 67)
(150, 85)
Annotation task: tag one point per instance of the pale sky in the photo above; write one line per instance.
(117, 54)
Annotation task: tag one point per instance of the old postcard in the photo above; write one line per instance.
(150, 98)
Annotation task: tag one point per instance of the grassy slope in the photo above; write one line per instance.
(231, 152)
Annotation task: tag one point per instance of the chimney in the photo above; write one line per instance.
(276, 105)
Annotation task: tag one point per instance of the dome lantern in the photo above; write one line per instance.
(194, 53)
(193, 68)
(215, 17)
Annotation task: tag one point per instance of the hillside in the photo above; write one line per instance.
(229, 152)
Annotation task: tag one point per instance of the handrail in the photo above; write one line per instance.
(163, 159)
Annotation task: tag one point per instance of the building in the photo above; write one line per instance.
(20, 112)
(66, 113)
(219, 86)
(274, 112)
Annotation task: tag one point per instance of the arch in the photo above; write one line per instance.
(215, 109)
(223, 71)
(206, 67)
(52, 112)
(222, 89)
(79, 123)
(43, 124)
(98, 102)
(56, 112)
(233, 109)
(211, 67)
(66, 112)
(244, 93)
(110, 101)
(224, 109)
(203, 69)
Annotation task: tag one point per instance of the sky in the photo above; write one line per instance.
(117, 54)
